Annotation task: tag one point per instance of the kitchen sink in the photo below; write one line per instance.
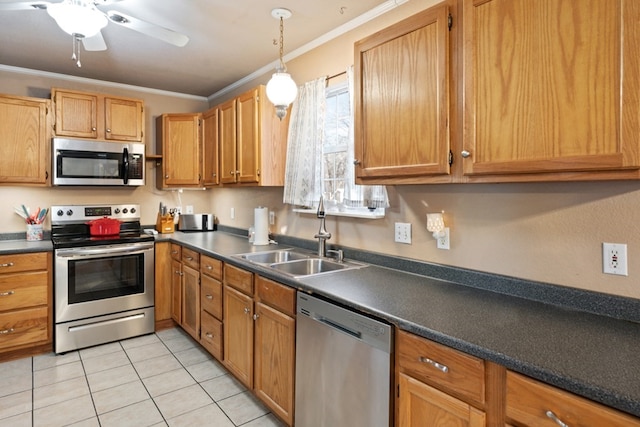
(271, 257)
(298, 264)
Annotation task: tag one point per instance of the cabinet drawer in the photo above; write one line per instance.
(529, 401)
(211, 334)
(176, 252)
(23, 327)
(441, 366)
(240, 279)
(23, 262)
(211, 267)
(276, 295)
(23, 290)
(211, 296)
(191, 258)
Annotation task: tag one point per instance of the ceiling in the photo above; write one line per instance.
(228, 40)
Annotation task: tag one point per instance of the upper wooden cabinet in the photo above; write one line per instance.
(25, 130)
(402, 79)
(98, 116)
(253, 141)
(550, 89)
(178, 140)
(210, 148)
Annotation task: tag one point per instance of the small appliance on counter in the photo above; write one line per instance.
(197, 222)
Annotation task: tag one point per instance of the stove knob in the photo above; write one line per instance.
(60, 212)
(117, 210)
(133, 210)
(69, 212)
(125, 210)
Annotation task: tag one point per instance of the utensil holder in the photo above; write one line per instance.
(165, 224)
(34, 232)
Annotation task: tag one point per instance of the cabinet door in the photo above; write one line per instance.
(238, 335)
(227, 132)
(550, 86)
(248, 137)
(210, 155)
(176, 291)
(424, 406)
(180, 145)
(24, 157)
(76, 114)
(275, 360)
(191, 301)
(402, 100)
(163, 276)
(123, 119)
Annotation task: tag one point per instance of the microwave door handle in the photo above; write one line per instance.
(125, 165)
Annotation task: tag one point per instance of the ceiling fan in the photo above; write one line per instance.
(83, 21)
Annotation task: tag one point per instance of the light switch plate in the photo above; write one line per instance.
(402, 233)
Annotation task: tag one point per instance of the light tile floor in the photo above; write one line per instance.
(161, 379)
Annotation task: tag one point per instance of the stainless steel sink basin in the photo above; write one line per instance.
(272, 257)
(313, 266)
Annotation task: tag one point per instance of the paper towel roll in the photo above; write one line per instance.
(261, 226)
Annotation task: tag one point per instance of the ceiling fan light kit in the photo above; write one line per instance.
(78, 17)
(281, 89)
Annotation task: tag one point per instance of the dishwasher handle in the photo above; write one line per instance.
(338, 326)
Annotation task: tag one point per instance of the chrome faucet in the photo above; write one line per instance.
(323, 235)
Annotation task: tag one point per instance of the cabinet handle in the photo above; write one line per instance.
(210, 297)
(6, 331)
(93, 129)
(246, 310)
(255, 316)
(174, 252)
(179, 273)
(209, 335)
(465, 153)
(557, 420)
(108, 130)
(6, 294)
(435, 364)
(190, 258)
(356, 162)
(8, 264)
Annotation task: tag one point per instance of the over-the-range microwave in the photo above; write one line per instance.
(97, 163)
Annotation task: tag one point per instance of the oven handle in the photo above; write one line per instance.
(101, 250)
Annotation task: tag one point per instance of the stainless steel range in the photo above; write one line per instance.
(103, 275)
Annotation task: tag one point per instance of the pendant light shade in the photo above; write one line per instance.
(281, 89)
(77, 17)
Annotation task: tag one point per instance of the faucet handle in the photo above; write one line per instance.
(339, 254)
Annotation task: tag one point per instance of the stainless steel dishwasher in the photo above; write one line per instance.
(343, 367)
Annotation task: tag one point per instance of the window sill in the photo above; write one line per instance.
(352, 213)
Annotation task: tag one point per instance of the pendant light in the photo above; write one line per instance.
(281, 89)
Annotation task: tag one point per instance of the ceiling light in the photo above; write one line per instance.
(281, 89)
(78, 17)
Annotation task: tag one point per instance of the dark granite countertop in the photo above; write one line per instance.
(590, 354)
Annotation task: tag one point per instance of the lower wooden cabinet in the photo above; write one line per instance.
(26, 316)
(425, 406)
(238, 334)
(191, 301)
(211, 334)
(532, 403)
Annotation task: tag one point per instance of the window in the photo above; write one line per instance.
(337, 124)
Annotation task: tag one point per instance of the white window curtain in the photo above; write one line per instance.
(303, 168)
(370, 196)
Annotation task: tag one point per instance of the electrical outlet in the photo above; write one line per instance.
(614, 259)
(403, 233)
(178, 210)
(232, 214)
(189, 209)
(443, 242)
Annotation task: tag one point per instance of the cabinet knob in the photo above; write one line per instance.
(179, 273)
(465, 153)
(246, 310)
(7, 264)
(209, 268)
(210, 297)
(190, 258)
(6, 331)
(356, 162)
(232, 172)
(108, 130)
(6, 294)
(166, 176)
(255, 316)
(93, 129)
(209, 335)
(213, 175)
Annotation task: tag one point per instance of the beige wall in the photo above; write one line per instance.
(551, 232)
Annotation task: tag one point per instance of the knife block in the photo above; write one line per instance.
(165, 224)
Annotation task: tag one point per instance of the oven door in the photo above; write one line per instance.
(97, 280)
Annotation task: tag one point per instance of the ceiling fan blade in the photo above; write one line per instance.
(147, 28)
(94, 43)
(25, 5)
